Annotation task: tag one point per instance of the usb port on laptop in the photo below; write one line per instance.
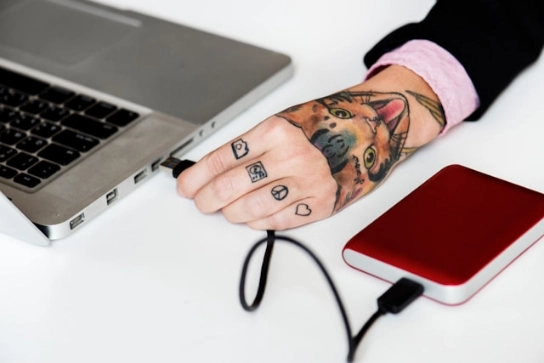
(140, 176)
(77, 221)
(111, 196)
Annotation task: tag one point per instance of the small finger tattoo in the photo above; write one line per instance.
(279, 192)
(239, 148)
(303, 210)
(256, 171)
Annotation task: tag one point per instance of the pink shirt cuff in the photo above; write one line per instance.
(442, 72)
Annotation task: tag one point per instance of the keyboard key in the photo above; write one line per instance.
(122, 117)
(6, 114)
(22, 83)
(24, 122)
(59, 154)
(11, 136)
(33, 107)
(31, 144)
(44, 169)
(51, 123)
(89, 126)
(101, 110)
(26, 180)
(22, 161)
(6, 153)
(57, 95)
(46, 129)
(12, 98)
(80, 103)
(6, 172)
(76, 140)
(53, 113)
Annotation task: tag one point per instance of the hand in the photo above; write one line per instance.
(270, 178)
(313, 159)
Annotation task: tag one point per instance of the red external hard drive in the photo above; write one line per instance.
(453, 234)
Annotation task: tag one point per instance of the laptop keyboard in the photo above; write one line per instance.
(45, 128)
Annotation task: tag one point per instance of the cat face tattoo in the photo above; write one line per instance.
(361, 134)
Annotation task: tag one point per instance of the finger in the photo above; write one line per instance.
(246, 178)
(296, 214)
(215, 163)
(264, 201)
(236, 152)
(309, 181)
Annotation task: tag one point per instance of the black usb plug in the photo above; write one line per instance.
(399, 296)
(176, 165)
(394, 300)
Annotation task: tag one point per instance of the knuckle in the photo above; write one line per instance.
(223, 188)
(230, 217)
(307, 158)
(278, 222)
(276, 128)
(256, 207)
(202, 206)
(326, 180)
(257, 225)
(183, 188)
(215, 163)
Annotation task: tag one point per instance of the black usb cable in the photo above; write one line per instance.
(394, 300)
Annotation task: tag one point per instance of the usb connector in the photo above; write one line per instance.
(394, 300)
(175, 165)
(400, 295)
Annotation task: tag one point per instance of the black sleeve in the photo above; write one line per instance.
(493, 39)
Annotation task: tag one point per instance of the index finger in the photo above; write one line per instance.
(219, 161)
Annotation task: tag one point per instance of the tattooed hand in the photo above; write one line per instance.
(313, 159)
(262, 178)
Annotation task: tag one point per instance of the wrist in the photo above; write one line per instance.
(445, 75)
(426, 115)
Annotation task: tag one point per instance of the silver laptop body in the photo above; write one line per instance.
(178, 83)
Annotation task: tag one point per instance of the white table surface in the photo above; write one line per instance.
(153, 280)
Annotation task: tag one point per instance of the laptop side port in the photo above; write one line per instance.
(112, 196)
(140, 176)
(77, 221)
(155, 165)
(182, 146)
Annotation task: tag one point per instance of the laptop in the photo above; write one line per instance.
(16, 226)
(94, 98)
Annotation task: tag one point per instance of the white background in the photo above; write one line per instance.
(153, 280)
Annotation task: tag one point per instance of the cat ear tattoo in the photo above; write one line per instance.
(256, 171)
(279, 192)
(303, 210)
(239, 148)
